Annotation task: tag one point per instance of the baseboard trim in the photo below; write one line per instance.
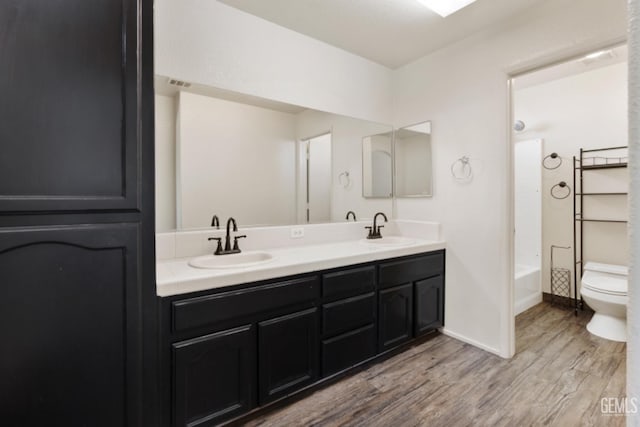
(564, 302)
(473, 342)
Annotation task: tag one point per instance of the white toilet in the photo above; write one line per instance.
(604, 289)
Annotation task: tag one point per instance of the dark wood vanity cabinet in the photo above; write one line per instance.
(349, 316)
(411, 298)
(429, 304)
(214, 376)
(232, 350)
(241, 347)
(287, 354)
(396, 316)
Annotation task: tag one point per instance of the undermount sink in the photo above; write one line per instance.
(388, 241)
(241, 260)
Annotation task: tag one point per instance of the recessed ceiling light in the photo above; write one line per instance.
(446, 7)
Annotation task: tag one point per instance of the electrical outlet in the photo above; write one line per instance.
(297, 232)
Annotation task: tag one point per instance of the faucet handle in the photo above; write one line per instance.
(235, 241)
(370, 230)
(219, 248)
(378, 230)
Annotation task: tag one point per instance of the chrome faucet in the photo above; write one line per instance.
(227, 244)
(353, 214)
(215, 222)
(374, 232)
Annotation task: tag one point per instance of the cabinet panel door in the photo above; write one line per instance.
(70, 109)
(429, 300)
(70, 325)
(288, 354)
(214, 377)
(346, 350)
(395, 318)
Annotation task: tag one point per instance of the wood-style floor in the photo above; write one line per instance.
(557, 378)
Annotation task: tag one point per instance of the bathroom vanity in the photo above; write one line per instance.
(228, 350)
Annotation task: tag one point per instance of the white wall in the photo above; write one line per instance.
(165, 137)
(207, 42)
(588, 111)
(463, 90)
(234, 160)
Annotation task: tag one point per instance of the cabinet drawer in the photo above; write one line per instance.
(346, 350)
(344, 315)
(346, 283)
(200, 311)
(409, 270)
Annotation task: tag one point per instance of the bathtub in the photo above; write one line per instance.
(528, 287)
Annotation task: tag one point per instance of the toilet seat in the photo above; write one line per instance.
(607, 288)
(605, 279)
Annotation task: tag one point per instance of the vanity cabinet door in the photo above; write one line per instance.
(288, 354)
(395, 316)
(214, 377)
(429, 303)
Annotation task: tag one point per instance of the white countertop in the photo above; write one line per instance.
(176, 276)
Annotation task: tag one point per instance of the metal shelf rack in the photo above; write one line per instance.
(580, 165)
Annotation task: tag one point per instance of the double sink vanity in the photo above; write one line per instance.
(298, 306)
(253, 316)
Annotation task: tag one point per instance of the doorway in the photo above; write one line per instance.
(578, 104)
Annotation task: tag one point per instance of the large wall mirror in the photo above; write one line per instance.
(261, 161)
(412, 155)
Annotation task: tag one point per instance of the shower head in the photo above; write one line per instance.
(518, 126)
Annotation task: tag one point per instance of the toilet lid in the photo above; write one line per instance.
(605, 284)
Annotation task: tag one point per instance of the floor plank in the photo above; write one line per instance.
(557, 378)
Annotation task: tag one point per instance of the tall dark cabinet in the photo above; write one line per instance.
(77, 263)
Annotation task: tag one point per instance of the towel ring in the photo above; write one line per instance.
(344, 179)
(461, 169)
(549, 161)
(561, 184)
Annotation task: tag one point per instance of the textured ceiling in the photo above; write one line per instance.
(389, 32)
